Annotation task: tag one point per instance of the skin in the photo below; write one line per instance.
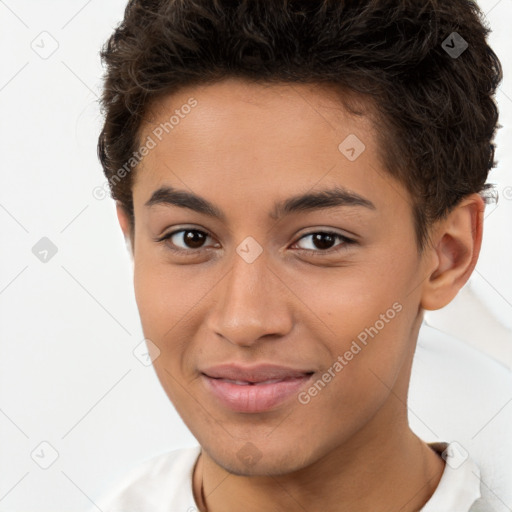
(245, 147)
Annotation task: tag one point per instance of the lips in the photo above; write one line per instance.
(251, 383)
(255, 374)
(254, 389)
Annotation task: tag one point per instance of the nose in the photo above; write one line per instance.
(251, 302)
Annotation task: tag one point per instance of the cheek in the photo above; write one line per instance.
(164, 295)
(366, 318)
(171, 303)
(152, 306)
(367, 356)
(348, 300)
(165, 302)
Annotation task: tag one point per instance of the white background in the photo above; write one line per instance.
(68, 328)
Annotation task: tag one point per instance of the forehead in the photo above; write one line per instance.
(245, 142)
(241, 107)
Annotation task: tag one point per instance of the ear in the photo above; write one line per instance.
(455, 247)
(124, 222)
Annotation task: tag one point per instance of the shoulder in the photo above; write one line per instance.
(161, 483)
(459, 487)
(460, 395)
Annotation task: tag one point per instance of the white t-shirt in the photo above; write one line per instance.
(164, 484)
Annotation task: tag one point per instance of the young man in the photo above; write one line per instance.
(298, 181)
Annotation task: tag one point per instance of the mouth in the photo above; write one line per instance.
(255, 395)
(258, 383)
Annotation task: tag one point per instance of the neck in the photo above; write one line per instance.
(349, 478)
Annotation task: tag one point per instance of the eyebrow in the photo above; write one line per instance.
(310, 201)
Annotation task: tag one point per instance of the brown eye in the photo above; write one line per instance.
(193, 239)
(324, 242)
(185, 239)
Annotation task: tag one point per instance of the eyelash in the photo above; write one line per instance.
(192, 252)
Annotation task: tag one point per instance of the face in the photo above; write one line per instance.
(231, 267)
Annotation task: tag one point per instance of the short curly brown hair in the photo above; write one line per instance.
(435, 109)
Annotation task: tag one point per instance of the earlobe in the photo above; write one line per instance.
(457, 243)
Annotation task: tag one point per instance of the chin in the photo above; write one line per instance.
(251, 461)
